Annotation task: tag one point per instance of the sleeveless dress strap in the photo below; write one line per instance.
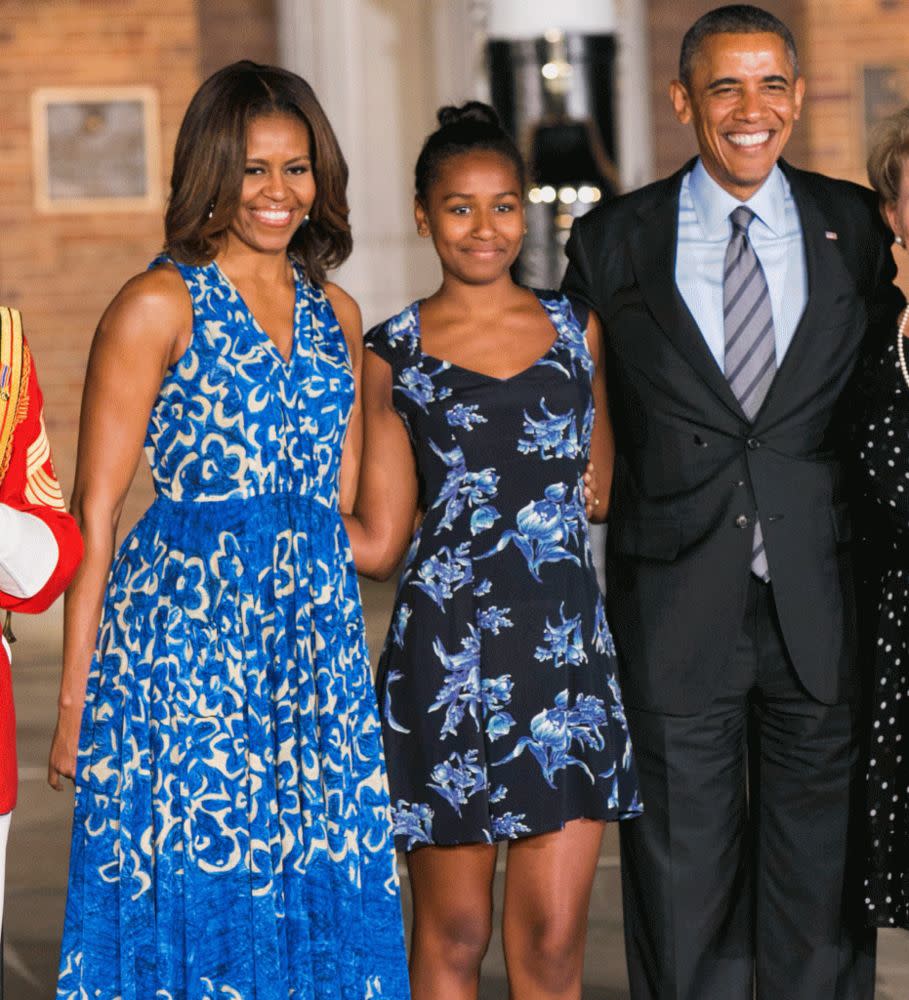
(580, 310)
(188, 272)
(397, 339)
(316, 310)
(572, 336)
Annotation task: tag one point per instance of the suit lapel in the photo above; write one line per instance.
(653, 246)
(822, 258)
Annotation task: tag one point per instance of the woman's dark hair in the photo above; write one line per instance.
(734, 19)
(472, 126)
(210, 158)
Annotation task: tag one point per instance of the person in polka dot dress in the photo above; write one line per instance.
(883, 454)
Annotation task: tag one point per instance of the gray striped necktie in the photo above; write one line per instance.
(750, 361)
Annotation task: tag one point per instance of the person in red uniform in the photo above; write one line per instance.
(40, 544)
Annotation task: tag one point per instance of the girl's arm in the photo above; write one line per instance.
(602, 444)
(386, 505)
(347, 313)
(143, 331)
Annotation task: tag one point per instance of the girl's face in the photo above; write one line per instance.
(279, 187)
(475, 216)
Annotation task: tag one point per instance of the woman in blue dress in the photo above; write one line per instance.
(231, 836)
(502, 716)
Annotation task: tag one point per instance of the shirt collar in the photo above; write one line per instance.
(712, 204)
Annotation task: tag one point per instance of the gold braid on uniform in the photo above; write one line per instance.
(22, 407)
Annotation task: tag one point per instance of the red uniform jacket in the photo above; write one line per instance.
(27, 483)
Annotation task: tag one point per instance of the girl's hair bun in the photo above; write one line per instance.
(473, 112)
(470, 127)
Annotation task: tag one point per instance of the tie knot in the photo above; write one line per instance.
(741, 219)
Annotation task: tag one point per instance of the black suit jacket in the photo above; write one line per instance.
(691, 471)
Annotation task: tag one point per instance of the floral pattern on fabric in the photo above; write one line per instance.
(232, 832)
(502, 715)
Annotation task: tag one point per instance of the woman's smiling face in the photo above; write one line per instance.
(279, 186)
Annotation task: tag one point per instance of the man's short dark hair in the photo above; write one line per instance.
(734, 19)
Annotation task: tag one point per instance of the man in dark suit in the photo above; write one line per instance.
(735, 296)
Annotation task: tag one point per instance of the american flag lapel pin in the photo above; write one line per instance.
(830, 234)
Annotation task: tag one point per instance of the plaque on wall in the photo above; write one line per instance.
(96, 149)
(886, 90)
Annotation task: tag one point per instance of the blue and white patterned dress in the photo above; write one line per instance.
(232, 836)
(502, 715)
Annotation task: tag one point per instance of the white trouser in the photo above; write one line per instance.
(4, 832)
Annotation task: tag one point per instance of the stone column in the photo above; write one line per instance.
(369, 64)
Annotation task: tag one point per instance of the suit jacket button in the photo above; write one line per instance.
(753, 443)
(742, 521)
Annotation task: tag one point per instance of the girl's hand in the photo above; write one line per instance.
(598, 480)
(592, 501)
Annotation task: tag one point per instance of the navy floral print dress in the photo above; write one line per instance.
(501, 711)
(232, 835)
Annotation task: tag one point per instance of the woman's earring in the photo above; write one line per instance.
(211, 209)
(900, 242)
(305, 221)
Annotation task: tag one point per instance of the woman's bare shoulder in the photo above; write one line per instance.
(154, 306)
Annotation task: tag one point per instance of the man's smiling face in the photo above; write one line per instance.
(743, 98)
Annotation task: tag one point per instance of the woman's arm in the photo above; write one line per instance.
(602, 444)
(144, 330)
(386, 506)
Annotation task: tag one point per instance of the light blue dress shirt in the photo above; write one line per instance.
(775, 234)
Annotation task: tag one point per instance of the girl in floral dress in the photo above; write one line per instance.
(502, 716)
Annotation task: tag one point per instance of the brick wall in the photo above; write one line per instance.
(62, 269)
(843, 37)
(236, 29)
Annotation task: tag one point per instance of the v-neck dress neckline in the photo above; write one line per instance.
(267, 342)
